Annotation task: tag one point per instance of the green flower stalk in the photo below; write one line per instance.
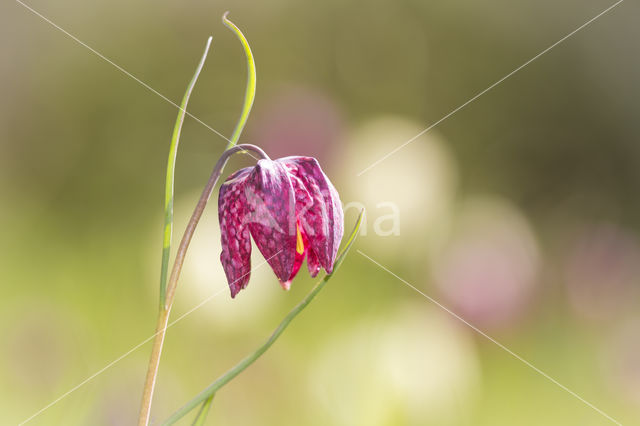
(163, 316)
(165, 309)
(167, 288)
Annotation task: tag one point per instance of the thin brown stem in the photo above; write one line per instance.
(163, 315)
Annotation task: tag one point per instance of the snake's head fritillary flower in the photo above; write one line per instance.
(291, 210)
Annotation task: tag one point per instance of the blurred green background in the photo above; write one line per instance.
(519, 213)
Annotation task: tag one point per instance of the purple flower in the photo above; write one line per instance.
(291, 210)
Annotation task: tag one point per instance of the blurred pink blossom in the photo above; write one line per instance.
(298, 121)
(600, 271)
(622, 361)
(489, 268)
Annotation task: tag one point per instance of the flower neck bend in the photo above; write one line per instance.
(243, 148)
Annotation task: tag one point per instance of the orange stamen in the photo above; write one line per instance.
(299, 242)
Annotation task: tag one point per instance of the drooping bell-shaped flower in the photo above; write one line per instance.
(291, 210)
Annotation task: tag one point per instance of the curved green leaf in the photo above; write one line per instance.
(204, 410)
(250, 91)
(169, 182)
